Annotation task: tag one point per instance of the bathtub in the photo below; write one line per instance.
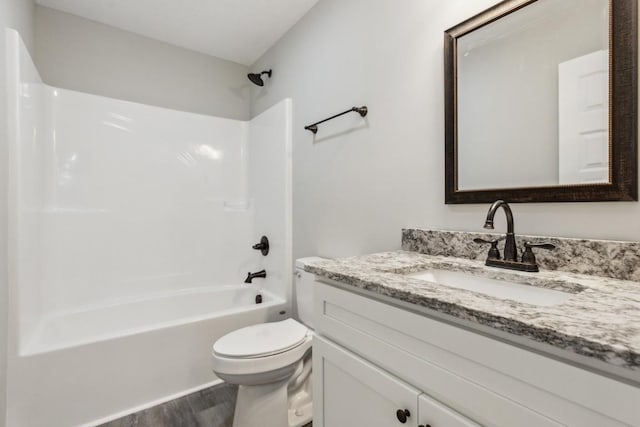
(86, 367)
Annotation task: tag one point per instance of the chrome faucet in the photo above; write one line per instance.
(251, 276)
(510, 261)
(510, 251)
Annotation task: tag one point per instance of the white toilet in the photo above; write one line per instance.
(271, 363)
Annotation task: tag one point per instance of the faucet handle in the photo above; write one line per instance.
(548, 246)
(494, 253)
(528, 255)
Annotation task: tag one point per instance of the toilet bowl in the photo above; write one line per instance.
(271, 364)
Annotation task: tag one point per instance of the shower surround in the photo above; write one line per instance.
(131, 229)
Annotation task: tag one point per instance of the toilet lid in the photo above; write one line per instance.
(261, 340)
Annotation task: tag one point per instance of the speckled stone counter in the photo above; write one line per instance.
(601, 318)
(607, 258)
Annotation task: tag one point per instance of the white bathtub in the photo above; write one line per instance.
(133, 316)
(89, 366)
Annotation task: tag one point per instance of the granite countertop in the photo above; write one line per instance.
(600, 319)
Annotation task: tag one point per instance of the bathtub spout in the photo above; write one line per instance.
(251, 276)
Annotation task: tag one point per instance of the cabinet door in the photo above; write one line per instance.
(348, 391)
(434, 414)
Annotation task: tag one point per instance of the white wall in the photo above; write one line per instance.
(358, 182)
(79, 54)
(16, 14)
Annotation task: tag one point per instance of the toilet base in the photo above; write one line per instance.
(285, 403)
(261, 405)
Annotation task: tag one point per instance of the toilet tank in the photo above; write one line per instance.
(303, 283)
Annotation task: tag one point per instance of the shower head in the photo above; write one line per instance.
(256, 78)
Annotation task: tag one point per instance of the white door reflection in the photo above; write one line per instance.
(583, 119)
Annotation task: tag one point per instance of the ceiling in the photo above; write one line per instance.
(236, 30)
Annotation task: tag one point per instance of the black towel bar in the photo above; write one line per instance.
(360, 110)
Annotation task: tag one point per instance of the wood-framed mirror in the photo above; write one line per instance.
(541, 103)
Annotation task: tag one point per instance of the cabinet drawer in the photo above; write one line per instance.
(434, 414)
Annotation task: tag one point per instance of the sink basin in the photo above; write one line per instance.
(503, 289)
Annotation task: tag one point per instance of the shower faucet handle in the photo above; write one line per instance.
(263, 246)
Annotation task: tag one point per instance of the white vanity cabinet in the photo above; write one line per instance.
(355, 392)
(373, 358)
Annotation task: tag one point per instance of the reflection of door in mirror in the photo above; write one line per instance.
(508, 118)
(583, 119)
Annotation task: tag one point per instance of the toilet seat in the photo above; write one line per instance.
(282, 353)
(261, 340)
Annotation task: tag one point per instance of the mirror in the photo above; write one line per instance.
(541, 102)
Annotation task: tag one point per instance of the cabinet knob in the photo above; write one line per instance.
(402, 415)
